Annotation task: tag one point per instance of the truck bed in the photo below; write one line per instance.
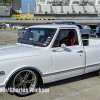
(91, 41)
(92, 50)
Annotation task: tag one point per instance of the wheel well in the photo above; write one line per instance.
(39, 76)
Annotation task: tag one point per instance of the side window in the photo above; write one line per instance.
(67, 37)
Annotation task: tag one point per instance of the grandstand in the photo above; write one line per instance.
(73, 8)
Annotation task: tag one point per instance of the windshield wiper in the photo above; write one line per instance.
(31, 44)
(27, 43)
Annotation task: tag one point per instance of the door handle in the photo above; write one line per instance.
(81, 51)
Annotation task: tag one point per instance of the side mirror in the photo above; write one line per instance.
(63, 46)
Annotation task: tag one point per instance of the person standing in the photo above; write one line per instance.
(97, 31)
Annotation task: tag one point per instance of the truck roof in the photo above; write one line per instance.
(52, 26)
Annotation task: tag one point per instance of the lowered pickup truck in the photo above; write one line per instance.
(48, 53)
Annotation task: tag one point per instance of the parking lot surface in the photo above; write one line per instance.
(8, 36)
(84, 87)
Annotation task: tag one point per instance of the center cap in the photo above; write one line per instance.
(23, 81)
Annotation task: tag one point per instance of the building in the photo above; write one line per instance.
(17, 5)
(49, 7)
(67, 2)
(23, 6)
(68, 7)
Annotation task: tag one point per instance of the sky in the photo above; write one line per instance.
(28, 1)
(25, 6)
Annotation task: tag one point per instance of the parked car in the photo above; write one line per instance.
(92, 28)
(64, 22)
(2, 26)
(14, 26)
(20, 27)
(17, 27)
(85, 33)
(48, 53)
(21, 33)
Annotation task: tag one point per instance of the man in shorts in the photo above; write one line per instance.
(97, 31)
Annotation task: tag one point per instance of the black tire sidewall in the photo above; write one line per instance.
(10, 82)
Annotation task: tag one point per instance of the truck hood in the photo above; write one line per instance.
(17, 51)
(84, 31)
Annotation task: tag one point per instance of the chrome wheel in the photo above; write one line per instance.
(25, 82)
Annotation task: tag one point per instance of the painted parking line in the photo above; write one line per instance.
(77, 93)
(78, 19)
(97, 19)
(89, 19)
(9, 18)
(1, 18)
(59, 19)
(69, 19)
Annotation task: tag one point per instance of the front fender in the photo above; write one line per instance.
(22, 68)
(42, 64)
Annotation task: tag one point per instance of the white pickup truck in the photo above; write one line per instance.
(48, 53)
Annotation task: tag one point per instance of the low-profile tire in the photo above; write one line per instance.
(25, 80)
(97, 73)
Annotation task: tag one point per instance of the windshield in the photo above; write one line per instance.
(38, 36)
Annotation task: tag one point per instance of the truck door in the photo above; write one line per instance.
(70, 61)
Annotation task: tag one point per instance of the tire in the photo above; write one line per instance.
(23, 80)
(97, 73)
